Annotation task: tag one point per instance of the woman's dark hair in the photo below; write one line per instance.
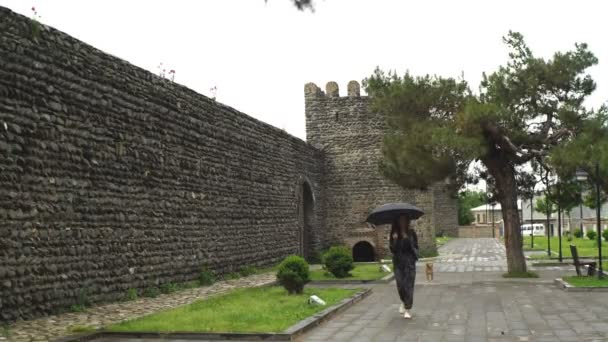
(395, 228)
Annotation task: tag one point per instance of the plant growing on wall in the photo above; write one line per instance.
(302, 4)
(161, 70)
(35, 23)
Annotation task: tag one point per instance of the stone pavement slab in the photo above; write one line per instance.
(470, 301)
(476, 255)
(469, 311)
(471, 255)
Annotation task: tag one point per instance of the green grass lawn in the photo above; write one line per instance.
(587, 281)
(528, 274)
(264, 309)
(586, 248)
(440, 241)
(361, 272)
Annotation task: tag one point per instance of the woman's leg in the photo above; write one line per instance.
(409, 279)
(400, 276)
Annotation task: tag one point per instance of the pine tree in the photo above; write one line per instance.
(438, 127)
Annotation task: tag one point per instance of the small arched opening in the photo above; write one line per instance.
(363, 251)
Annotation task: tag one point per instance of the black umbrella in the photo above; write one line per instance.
(387, 213)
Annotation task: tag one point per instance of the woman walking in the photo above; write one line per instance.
(404, 246)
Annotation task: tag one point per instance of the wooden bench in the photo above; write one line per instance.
(578, 263)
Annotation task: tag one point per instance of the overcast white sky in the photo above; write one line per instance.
(259, 55)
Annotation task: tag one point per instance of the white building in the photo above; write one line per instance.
(578, 217)
(489, 214)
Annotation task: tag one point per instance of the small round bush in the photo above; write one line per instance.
(293, 274)
(578, 233)
(605, 234)
(591, 235)
(338, 261)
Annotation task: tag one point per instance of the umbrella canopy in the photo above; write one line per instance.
(387, 213)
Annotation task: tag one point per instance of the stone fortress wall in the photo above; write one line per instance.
(113, 178)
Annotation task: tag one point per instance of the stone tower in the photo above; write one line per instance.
(350, 135)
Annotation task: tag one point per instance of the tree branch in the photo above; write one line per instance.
(520, 155)
(555, 137)
(544, 131)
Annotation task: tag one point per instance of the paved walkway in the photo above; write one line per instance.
(471, 255)
(464, 304)
(53, 327)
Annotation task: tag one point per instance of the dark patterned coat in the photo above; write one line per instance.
(405, 254)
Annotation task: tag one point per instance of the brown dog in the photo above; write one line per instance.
(429, 271)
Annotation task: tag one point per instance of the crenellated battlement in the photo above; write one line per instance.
(351, 133)
(311, 90)
(329, 114)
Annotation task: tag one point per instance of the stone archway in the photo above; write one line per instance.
(363, 251)
(307, 218)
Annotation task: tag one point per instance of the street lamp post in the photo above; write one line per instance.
(559, 223)
(548, 213)
(493, 234)
(487, 218)
(580, 208)
(598, 209)
(532, 219)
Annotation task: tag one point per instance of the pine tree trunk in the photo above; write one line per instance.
(506, 188)
(516, 263)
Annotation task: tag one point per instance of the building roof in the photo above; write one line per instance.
(497, 207)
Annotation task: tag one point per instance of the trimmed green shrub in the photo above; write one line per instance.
(605, 234)
(591, 234)
(339, 261)
(293, 274)
(578, 233)
(206, 277)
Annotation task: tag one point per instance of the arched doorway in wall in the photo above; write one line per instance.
(307, 216)
(363, 251)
